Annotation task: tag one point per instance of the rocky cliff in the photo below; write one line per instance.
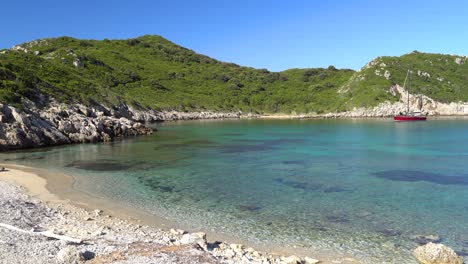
(57, 124)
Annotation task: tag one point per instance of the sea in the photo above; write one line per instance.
(366, 188)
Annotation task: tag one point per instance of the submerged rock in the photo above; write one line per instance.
(424, 239)
(436, 254)
(388, 232)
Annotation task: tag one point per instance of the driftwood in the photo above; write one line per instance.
(43, 233)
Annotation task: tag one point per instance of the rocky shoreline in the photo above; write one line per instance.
(57, 124)
(32, 231)
(49, 123)
(56, 231)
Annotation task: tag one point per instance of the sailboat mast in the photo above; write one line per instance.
(409, 86)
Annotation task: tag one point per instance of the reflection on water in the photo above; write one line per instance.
(346, 185)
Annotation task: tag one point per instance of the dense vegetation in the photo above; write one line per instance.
(152, 72)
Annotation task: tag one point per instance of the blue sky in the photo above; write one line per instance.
(276, 35)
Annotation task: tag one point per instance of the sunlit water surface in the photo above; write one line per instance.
(358, 187)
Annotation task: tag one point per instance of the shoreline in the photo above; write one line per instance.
(56, 190)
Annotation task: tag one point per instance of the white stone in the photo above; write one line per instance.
(436, 254)
(69, 255)
(387, 75)
(308, 260)
(291, 260)
(237, 247)
(195, 238)
(178, 231)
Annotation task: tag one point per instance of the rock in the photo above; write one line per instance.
(236, 247)
(69, 255)
(424, 239)
(97, 212)
(436, 254)
(308, 260)
(78, 63)
(195, 238)
(291, 260)
(87, 255)
(178, 231)
(229, 253)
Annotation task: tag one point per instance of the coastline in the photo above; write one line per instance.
(56, 191)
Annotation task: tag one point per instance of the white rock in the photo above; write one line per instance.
(177, 231)
(69, 255)
(387, 75)
(291, 260)
(308, 260)
(195, 238)
(237, 247)
(436, 254)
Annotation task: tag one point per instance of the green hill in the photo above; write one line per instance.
(152, 72)
(442, 77)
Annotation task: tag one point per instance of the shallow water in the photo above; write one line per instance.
(355, 187)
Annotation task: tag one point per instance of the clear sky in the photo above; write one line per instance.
(276, 35)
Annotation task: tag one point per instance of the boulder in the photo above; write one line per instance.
(432, 253)
(69, 255)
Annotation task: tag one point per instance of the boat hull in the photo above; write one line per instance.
(409, 118)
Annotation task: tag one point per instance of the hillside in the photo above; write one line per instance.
(443, 78)
(152, 72)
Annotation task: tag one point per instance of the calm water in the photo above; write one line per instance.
(359, 187)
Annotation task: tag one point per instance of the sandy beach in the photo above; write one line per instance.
(106, 236)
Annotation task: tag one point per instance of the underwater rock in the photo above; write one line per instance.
(335, 189)
(98, 165)
(417, 176)
(436, 254)
(389, 232)
(337, 218)
(249, 208)
(424, 239)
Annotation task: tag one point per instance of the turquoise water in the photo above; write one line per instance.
(353, 187)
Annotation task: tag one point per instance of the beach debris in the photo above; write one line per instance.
(43, 233)
(424, 239)
(69, 255)
(432, 253)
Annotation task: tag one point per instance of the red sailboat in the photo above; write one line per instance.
(409, 116)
